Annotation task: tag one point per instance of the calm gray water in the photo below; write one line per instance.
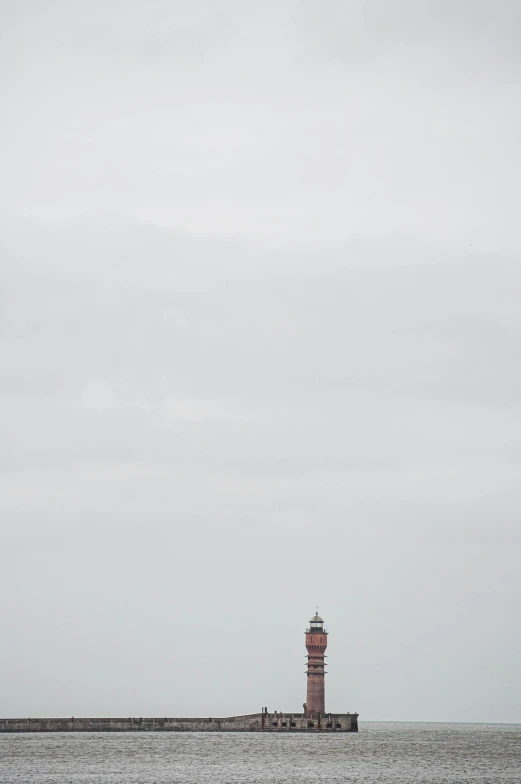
(383, 753)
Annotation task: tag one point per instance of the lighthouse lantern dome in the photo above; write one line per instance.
(316, 623)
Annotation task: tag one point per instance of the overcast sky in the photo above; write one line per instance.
(260, 335)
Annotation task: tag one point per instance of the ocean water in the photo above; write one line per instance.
(380, 752)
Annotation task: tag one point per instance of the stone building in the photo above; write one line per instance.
(316, 644)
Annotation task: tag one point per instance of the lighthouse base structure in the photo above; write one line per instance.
(254, 722)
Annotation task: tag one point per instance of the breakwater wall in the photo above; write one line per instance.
(255, 722)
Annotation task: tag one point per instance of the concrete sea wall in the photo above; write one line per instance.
(255, 722)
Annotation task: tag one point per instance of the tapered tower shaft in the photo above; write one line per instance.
(316, 644)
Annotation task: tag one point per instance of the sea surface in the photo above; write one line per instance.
(380, 752)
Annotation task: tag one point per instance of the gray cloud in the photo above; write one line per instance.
(467, 38)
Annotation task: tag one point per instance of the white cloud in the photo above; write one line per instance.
(99, 395)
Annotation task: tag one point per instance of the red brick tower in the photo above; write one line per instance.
(316, 643)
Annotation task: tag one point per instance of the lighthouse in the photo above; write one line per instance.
(313, 719)
(316, 644)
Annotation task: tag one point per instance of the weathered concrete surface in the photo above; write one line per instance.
(255, 722)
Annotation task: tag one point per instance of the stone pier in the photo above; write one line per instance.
(254, 722)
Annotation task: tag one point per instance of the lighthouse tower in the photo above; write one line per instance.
(316, 643)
